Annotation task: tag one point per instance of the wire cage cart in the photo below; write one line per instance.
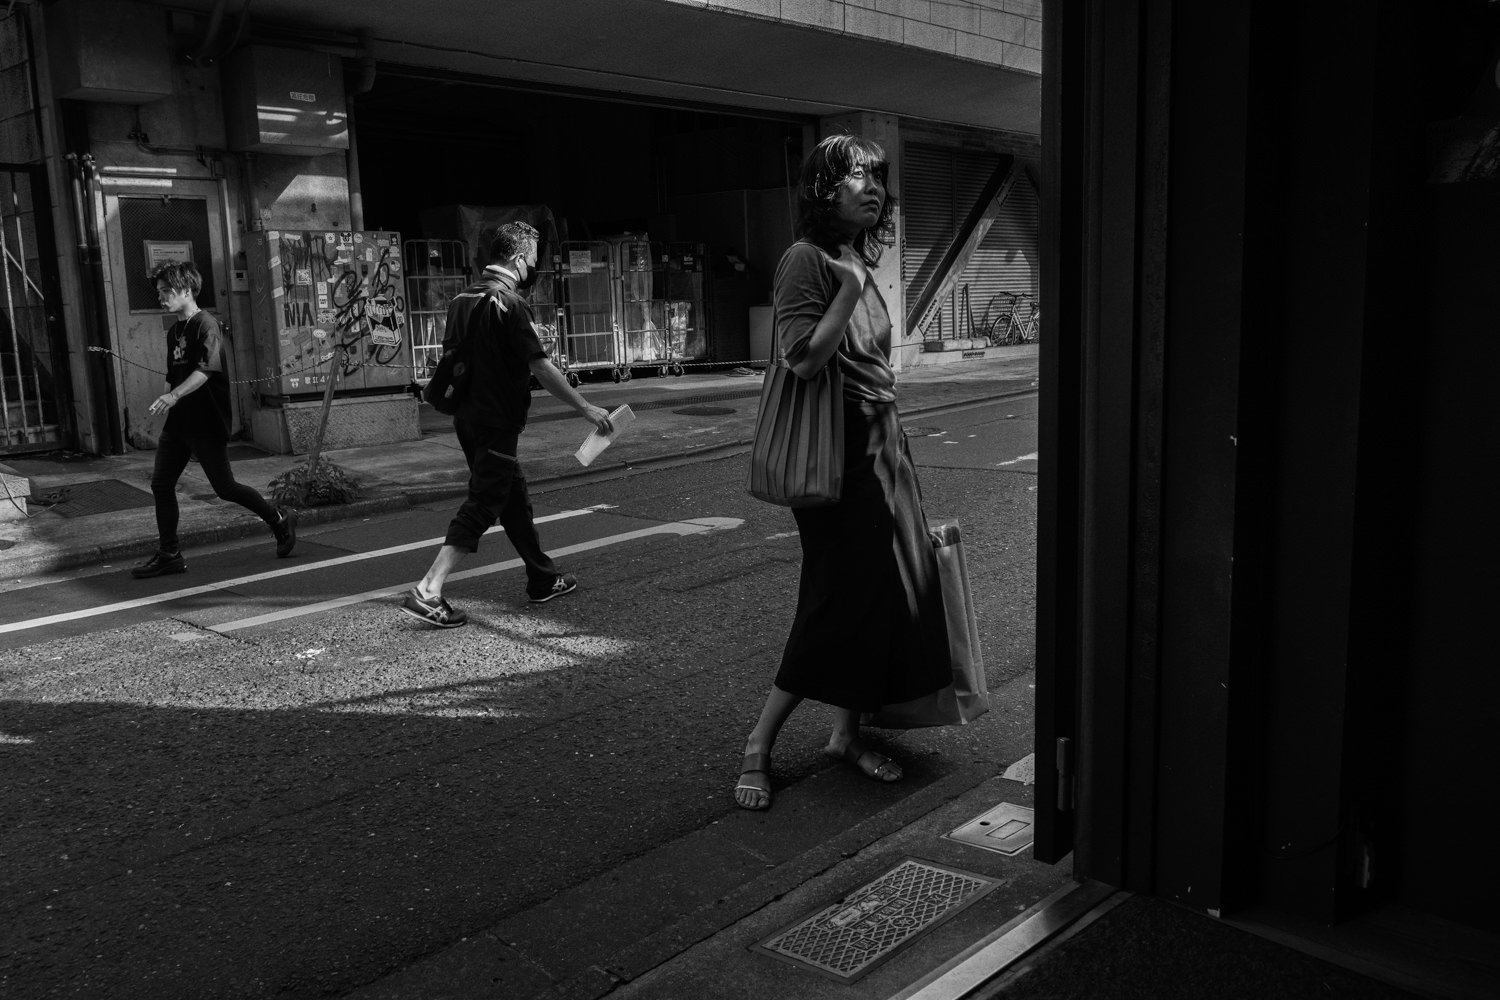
(687, 293)
(436, 271)
(547, 310)
(659, 303)
(587, 312)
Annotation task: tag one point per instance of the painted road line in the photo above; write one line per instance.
(1024, 458)
(693, 526)
(208, 588)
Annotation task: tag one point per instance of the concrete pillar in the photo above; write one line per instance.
(886, 130)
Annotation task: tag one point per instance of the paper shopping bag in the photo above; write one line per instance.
(967, 697)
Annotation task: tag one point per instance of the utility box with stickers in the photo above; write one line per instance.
(327, 305)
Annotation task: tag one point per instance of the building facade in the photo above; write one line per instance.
(315, 161)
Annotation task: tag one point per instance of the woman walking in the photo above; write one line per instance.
(869, 628)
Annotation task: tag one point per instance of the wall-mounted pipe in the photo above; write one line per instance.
(363, 85)
(366, 63)
(207, 52)
(103, 369)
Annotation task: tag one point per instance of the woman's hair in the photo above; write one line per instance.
(180, 277)
(827, 167)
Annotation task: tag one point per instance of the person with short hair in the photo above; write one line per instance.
(199, 422)
(493, 323)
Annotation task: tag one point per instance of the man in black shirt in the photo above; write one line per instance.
(196, 402)
(493, 323)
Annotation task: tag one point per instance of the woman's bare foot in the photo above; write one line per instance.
(754, 788)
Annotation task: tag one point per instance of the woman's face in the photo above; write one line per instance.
(858, 201)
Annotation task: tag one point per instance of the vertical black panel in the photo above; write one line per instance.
(1064, 66)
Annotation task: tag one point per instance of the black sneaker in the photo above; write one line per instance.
(436, 612)
(286, 532)
(565, 583)
(160, 564)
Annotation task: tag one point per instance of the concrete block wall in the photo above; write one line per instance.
(997, 32)
(19, 140)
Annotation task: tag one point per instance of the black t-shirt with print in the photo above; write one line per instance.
(197, 345)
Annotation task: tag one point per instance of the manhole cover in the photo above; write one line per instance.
(848, 939)
(99, 496)
(921, 432)
(705, 411)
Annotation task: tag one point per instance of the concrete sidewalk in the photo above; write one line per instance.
(684, 418)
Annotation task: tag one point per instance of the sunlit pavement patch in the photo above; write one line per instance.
(848, 939)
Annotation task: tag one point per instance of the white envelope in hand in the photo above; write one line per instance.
(595, 443)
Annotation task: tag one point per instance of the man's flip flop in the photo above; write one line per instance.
(881, 767)
(755, 763)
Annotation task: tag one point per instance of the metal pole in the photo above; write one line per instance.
(317, 445)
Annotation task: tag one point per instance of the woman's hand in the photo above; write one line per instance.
(849, 267)
(163, 403)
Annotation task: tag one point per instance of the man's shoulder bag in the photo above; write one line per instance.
(450, 380)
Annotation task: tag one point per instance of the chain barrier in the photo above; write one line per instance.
(412, 368)
(247, 381)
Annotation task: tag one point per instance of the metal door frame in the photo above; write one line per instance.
(114, 186)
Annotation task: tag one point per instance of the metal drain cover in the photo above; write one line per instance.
(705, 411)
(1006, 829)
(848, 939)
(99, 496)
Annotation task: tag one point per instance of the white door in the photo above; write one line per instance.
(149, 221)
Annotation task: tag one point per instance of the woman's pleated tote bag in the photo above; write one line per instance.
(797, 456)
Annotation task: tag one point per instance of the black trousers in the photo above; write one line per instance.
(497, 492)
(172, 454)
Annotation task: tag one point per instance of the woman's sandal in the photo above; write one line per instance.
(755, 763)
(881, 768)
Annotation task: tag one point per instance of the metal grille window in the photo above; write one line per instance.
(155, 230)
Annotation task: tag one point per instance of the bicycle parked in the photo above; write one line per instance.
(1016, 321)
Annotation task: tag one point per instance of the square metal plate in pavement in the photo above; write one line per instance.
(849, 938)
(99, 496)
(1006, 829)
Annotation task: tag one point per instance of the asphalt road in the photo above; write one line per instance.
(260, 779)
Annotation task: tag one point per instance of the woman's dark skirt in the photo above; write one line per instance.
(869, 629)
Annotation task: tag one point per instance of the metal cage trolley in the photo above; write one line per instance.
(549, 320)
(659, 291)
(436, 271)
(588, 328)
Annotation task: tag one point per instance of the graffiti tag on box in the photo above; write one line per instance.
(339, 290)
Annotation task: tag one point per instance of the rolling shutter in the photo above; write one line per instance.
(939, 187)
(1006, 259)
